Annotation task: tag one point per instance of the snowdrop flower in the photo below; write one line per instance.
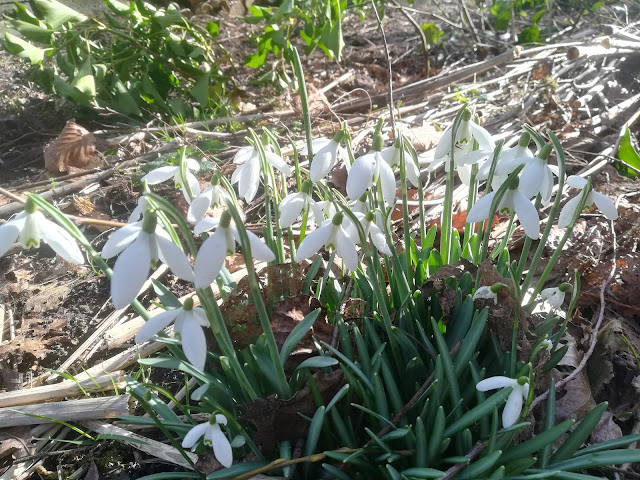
(371, 224)
(188, 322)
(247, 175)
(488, 292)
(31, 226)
(215, 249)
(537, 177)
(325, 155)
(296, 204)
(391, 155)
(604, 203)
(330, 235)
(214, 437)
(555, 296)
(361, 205)
(371, 169)
(162, 174)
(503, 163)
(213, 196)
(138, 212)
(464, 157)
(512, 201)
(142, 244)
(520, 392)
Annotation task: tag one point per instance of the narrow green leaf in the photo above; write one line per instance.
(318, 362)
(478, 412)
(23, 49)
(479, 467)
(236, 470)
(579, 435)
(536, 443)
(599, 459)
(629, 160)
(422, 472)
(56, 14)
(297, 334)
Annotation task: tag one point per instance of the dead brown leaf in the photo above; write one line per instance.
(74, 147)
(35, 338)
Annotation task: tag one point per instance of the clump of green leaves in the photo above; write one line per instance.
(142, 60)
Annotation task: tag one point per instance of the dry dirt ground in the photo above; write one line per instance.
(55, 306)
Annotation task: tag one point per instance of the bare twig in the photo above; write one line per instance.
(389, 70)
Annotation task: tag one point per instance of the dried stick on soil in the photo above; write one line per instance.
(144, 444)
(68, 388)
(69, 411)
(596, 328)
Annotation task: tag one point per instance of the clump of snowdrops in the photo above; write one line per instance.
(427, 390)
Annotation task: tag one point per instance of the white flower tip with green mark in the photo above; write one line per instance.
(515, 401)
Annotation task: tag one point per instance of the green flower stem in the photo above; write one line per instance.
(183, 172)
(554, 258)
(487, 188)
(527, 246)
(405, 207)
(552, 213)
(447, 211)
(414, 158)
(507, 236)
(168, 211)
(471, 200)
(282, 387)
(514, 335)
(304, 100)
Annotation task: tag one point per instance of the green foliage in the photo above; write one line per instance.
(628, 163)
(143, 60)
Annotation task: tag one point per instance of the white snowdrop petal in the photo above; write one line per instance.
(249, 181)
(485, 293)
(472, 158)
(278, 162)
(130, 271)
(156, 324)
(323, 161)
(481, 209)
(482, 136)
(291, 208)
(464, 172)
(444, 145)
(576, 181)
(9, 233)
(361, 176)
(210, 259)
(175, 258)
(193, 164)
(221, 419)
(160, 175)
(61, 242)
(119, 239)
(243, 154)
(313, 242)
(388, 183)
(379, 240)
(194, 342)
(606, 205)
(492, 383)
(531, 178)
(201, 316)
(546, 187)
(259, 249)
(513, 407)
(527, 215)
(192, 437)
(568, 211)
(205, 225)
(200, 205)
(221, 446)
(194, 185)
(347, 250)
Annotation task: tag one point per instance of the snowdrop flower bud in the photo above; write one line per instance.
(162, 174)
(247, 175)
(188, 322)
(325, 155)
(295, 204)
(604, 203)
(514, 404)
(212, 196)
(537, 176)
(142, 244)
(330, 235)
(213, 437)
(371, 169)
(555, 296)
(505, 161)
(31, 226)
(488, 292)
(512, 201)
(391, 155)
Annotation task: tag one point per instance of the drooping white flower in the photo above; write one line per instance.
(188, 322)
(371, 169)
(141, 207)
(555, 296)
(247, 175)
(464, 157)
(512, 201)
(296, 204)
(536, 177)
(215, 249)
(214, 437)
(142, 244)
(504, 161)
(162, 174)
(391, 155)
(30, 226)
(330, 235)
(213, 196)
(326, 153)
(604, 203)
(520, 392)
(372, 224)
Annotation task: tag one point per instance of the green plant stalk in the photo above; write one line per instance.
(423, 226)
(282, 387)
(507, 235)
(267, 173)
(304, 100)
(554, 258)
(183, 173)
(405, 206)
(552, 213)
(471, 199)
(447, 212)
